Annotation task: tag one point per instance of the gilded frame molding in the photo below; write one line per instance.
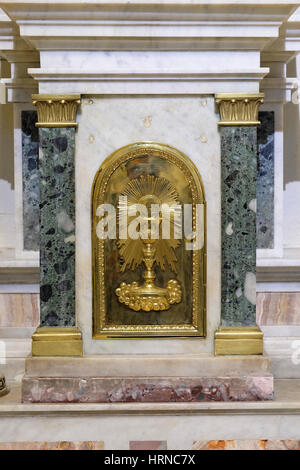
(100, 327)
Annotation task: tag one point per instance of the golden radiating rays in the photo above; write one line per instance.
(148, 190)
(149, 185)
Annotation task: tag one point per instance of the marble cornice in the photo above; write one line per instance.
(72, 30)
(145, 82)
(185, 9)
(174, 25)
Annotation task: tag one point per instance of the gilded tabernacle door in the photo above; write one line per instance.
(148, 244)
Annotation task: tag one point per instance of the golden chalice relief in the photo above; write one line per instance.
(148, 192)
(148, 244)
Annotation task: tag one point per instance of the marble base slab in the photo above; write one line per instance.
(147, 389)
(140, 378)
(204, 365)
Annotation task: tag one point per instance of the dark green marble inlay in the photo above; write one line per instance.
(57, 227)
(265, 180)
(239, 168)
(30, 176)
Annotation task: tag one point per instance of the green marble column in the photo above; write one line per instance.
(238, 183)
(57, 335)
(238, 333)
(57, 226)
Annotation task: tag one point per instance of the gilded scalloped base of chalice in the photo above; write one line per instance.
(149, 298)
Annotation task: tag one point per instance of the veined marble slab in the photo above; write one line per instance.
(278, 308)
(19, 310)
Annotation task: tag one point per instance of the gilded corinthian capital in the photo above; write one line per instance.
(239, 109)
(56, 110)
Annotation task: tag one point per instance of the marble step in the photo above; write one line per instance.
(147, 366)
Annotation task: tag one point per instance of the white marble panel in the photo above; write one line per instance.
(160, 70)
(150, 61)
(108, 123)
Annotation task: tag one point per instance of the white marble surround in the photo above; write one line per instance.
(108, 123)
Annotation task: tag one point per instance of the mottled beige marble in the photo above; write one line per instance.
(156, 445)
(19, 310)
(247, 445)
(278, 308)
(61, 445)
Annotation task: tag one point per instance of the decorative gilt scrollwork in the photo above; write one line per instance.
(238, 109)
(56, 110)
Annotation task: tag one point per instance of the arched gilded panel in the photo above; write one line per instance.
(148, 287)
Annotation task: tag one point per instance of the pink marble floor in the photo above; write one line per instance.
(148, 445)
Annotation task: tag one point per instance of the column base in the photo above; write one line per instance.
(57, 342)
(238, 340)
